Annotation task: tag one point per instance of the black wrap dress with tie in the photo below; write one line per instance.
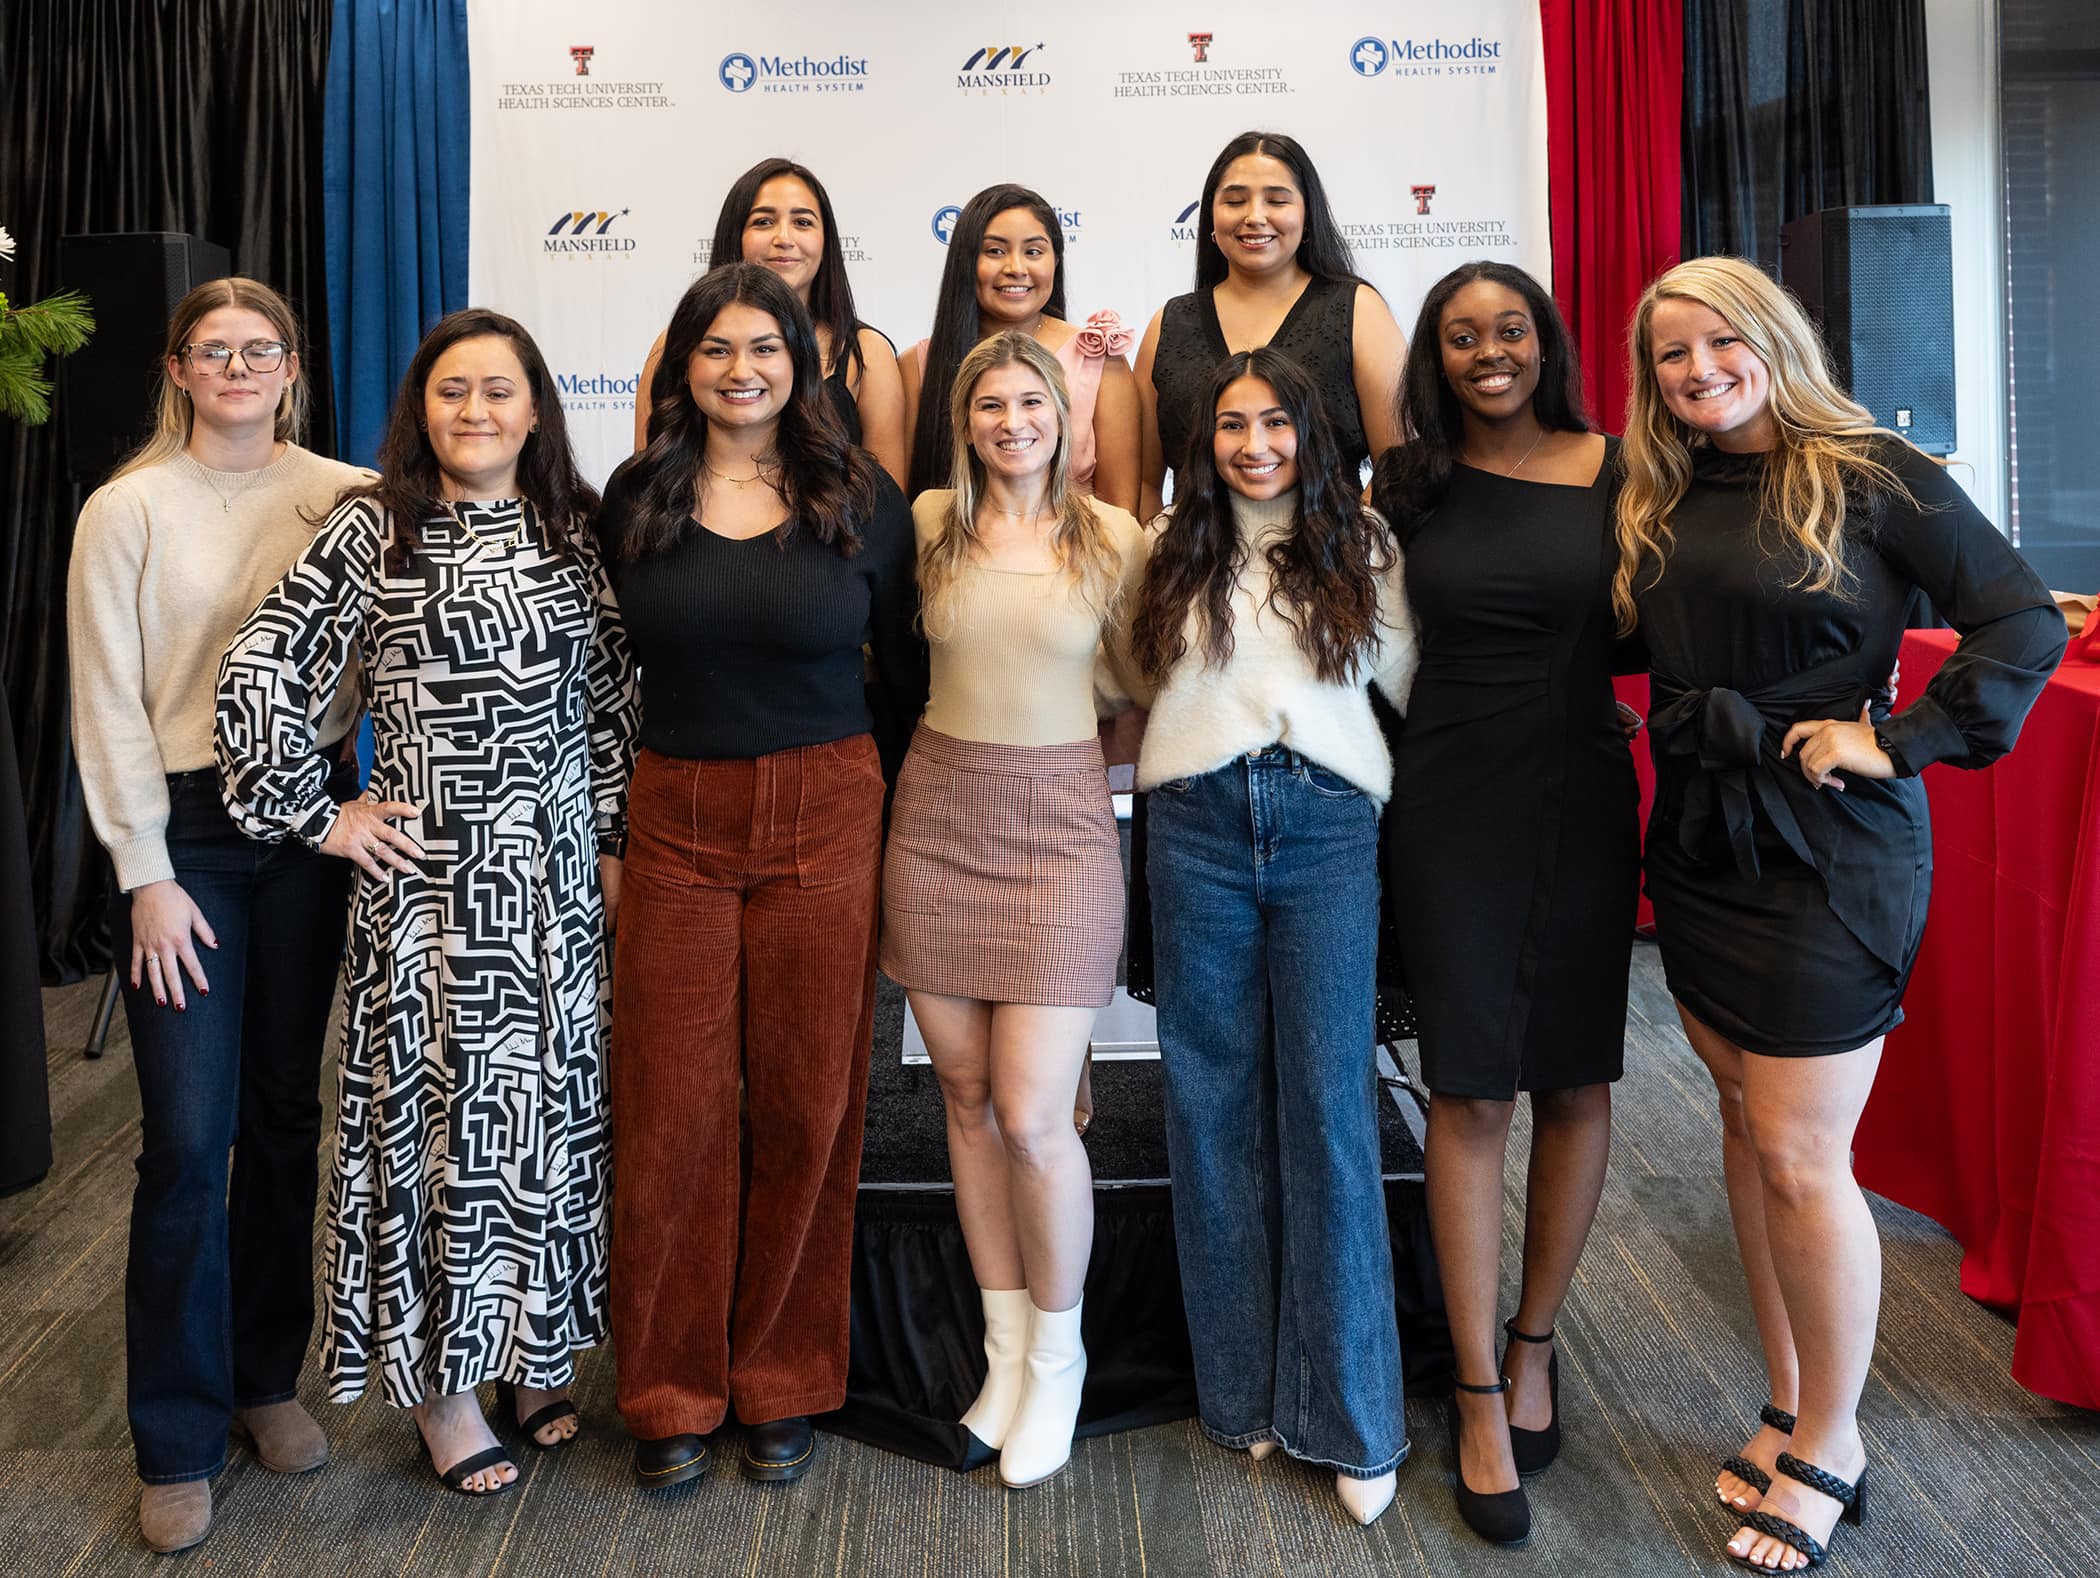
(1790, 915)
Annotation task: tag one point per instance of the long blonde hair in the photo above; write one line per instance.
(173, 413)
(1078, 541)
(1823, 446)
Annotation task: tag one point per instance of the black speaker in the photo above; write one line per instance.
(1879, 283)
(132, 281)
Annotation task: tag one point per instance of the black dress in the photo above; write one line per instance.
(1513, 836)
(1318, 333)
(1790, 916)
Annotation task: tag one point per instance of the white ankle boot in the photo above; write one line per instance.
(1005, 1357)
(1365, 1499)
(1039, 1442)
(1260, 1450)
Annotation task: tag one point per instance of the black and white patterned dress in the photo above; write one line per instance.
(469, 1206)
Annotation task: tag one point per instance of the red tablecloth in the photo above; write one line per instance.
(1986, 1114)
(1632, 689)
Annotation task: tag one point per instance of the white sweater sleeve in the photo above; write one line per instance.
(122, 777)
(1400, 652)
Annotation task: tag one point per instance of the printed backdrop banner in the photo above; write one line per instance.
(606, 133)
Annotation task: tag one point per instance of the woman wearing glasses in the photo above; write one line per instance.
(227, 948)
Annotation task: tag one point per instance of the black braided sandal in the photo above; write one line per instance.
(1535, 1450)
(1745, 1470)
(1851, 1496)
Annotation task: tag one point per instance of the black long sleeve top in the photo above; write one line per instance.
(1738, 655)
(753, 646)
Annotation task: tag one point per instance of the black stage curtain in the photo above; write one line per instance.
(25, 1094)
(918, 1331)
(201, 116)
(1789, 109)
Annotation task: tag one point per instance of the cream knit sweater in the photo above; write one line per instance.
(1267, 692)
(167, 562)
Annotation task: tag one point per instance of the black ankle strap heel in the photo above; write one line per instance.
(1502, 1517)
(1535, 1450)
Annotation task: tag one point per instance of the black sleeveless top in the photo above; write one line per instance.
(842, 400)
(1317, 333)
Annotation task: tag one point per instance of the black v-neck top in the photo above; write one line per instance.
(755, 645)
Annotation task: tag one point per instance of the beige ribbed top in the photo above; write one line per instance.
(1018, 668)
(167, 562)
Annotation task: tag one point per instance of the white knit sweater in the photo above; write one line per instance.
(1267, 692)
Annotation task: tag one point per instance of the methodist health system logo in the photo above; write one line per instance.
(597, 391)
(944, 218)
(1426, 57)
(841, 73)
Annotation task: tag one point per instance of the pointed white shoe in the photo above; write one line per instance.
(1366, 1498)
(1039, 1442)
(1005, 1356)
(1261, 1449)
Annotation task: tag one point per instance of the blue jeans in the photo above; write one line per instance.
(218, 1290)
(1265, 901)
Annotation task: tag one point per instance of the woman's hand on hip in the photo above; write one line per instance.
(1828, 745)
(364, 835)
(165, 922)
(609, 884)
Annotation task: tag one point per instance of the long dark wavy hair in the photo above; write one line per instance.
(826, 482)
(955, 323)
(1323, 251)
(1324, 572)
(830, 293)
(408, 487)
(1410, 479)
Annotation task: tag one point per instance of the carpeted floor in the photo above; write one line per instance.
(1972, 1474)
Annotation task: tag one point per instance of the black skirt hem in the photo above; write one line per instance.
(1750, 1039)
(1558, 1080)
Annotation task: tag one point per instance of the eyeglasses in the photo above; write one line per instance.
(258, 356)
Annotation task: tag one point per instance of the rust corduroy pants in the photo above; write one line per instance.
(746, 947)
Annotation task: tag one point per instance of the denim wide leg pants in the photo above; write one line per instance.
(1264, 880)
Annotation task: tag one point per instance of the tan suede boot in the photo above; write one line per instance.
(175, 1517)
(286, 1438)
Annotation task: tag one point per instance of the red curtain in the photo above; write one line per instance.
(1614, 97)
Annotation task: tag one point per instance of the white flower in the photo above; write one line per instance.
(7, 246)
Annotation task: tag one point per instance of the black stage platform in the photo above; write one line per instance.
(918, 1332)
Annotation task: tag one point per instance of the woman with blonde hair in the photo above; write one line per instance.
(168, 558)
(1770, 539)
(1003, 888)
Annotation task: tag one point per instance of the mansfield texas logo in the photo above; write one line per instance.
(1213, 76)
(841, 73)
(582, 91)
(584, 230)
(1003, 69)
(1425, 57)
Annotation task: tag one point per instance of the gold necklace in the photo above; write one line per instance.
(758, 474)
(517, 534)
(1519, 466)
